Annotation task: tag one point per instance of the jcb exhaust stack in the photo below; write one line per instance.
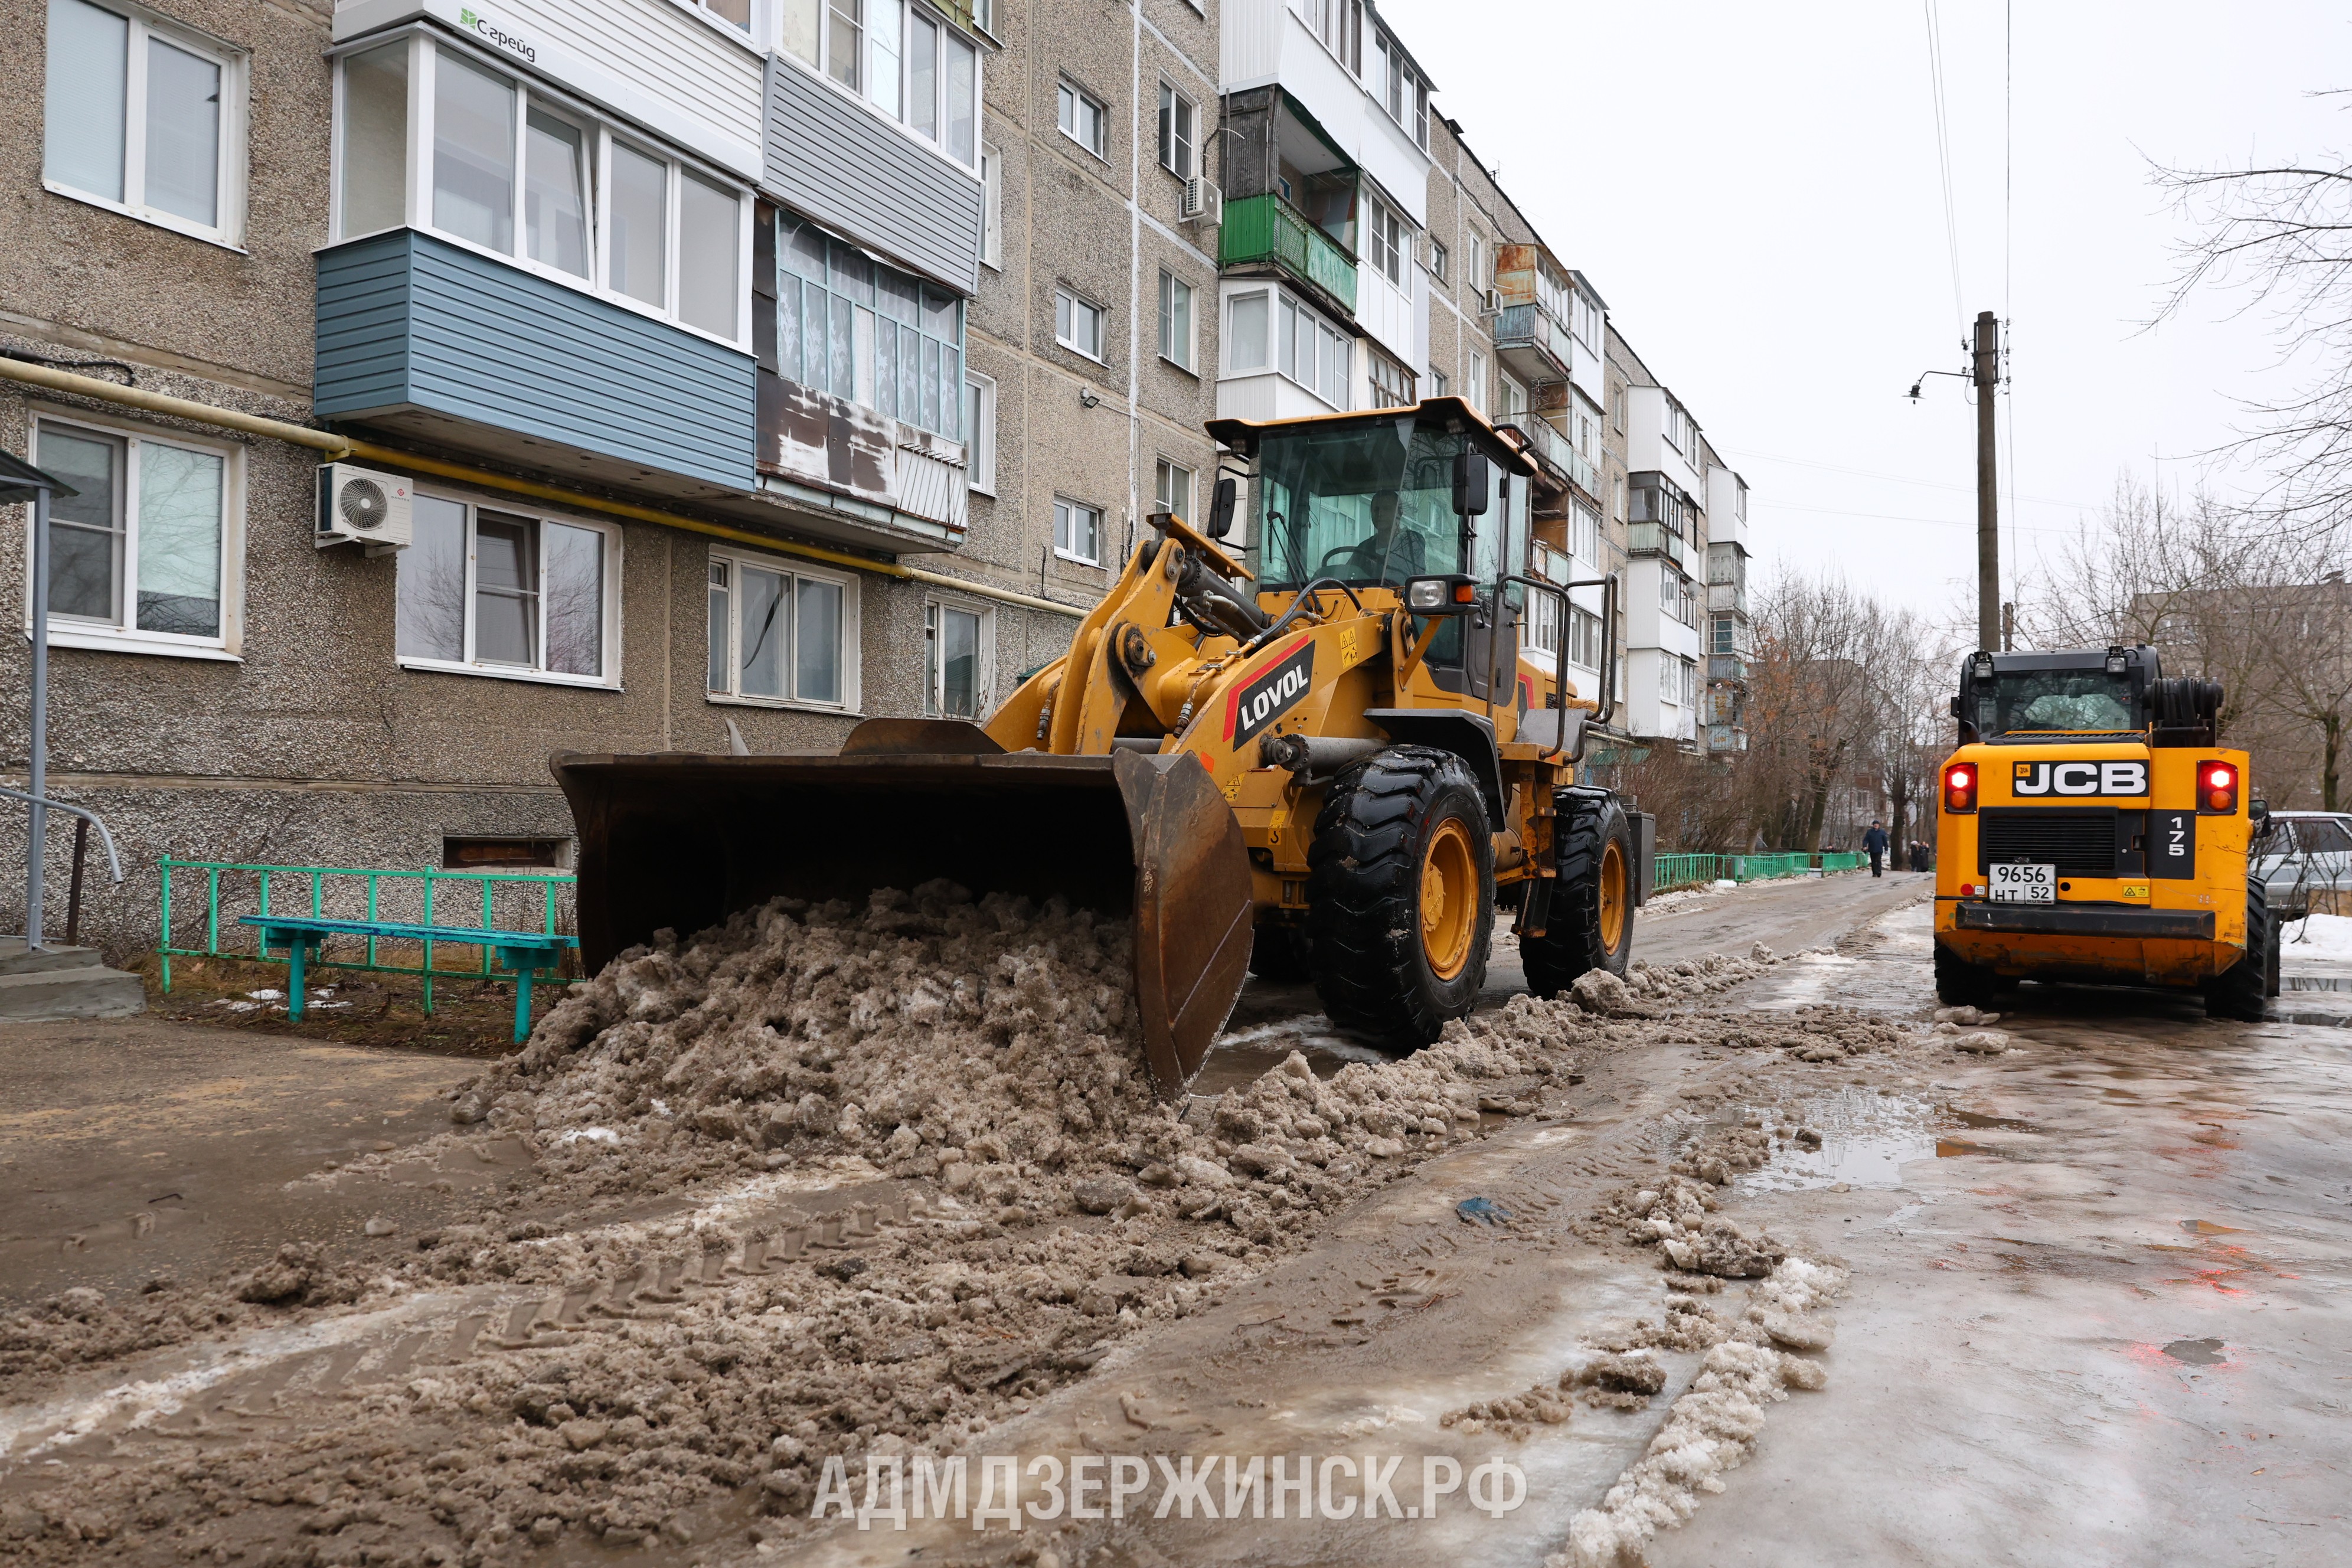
(682, 840)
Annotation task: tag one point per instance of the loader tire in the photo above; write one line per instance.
(2240, 991)
(1591, 922)
(1959, 983)
(1400, 895)
(1279, 954)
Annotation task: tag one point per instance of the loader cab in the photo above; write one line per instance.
(1369, 501)
(2083, 693)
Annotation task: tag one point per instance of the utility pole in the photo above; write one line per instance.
(1987, 380)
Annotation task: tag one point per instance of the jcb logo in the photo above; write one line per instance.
(2079, 778)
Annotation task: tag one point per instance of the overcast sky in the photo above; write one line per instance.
(1756, 191)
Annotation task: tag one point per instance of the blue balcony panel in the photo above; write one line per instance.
(432, 339)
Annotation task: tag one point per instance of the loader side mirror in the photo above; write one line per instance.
(1220, 509)
(1469, 483)
(1448, 595)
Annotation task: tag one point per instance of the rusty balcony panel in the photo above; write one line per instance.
(881, 472)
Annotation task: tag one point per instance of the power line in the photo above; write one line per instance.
(1944, 159)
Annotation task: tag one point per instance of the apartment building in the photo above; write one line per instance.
(733, 370)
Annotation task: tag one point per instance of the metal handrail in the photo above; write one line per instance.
(315, 877)
(113, 861)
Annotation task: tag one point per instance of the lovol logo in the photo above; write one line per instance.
(472, 21)
(2079, 778)
(1271, 695)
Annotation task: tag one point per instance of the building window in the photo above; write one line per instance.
(1077, 531)
(1583, 637)
(991, 207)
(1391, 242)
(895, 54)
(1421, 114)
(1077, 325)
(1584, 320)
(1175, 320)
(1171, 487)
(1725, 641)
(1437, 258)
(1179, 134)
(145, 558)
(956, 660)
(1437, 381)
(487, 591)
(1340, 25)
(1313, 353)
(1391, 382)
(1476, 276)
(1584, 534)
(868, 335)
(980, 432)
(146, 119)
(781, 634)
(555, 191)
(1082, 120)
(1476, 389)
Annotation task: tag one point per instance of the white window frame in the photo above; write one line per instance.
(1163, 469)
(1069, 92)
(424, 51)
(991, 207)
(769, 30)
(1065, 504)
(1476, 390)
(1183, 354)
(1174, 150)
(935, 667)
(1391, 240)
(979, 435)
(126, 637)
(1075, 303)
(1438, 382)
(235, 67)
(609, 632)
(852, 640)
(746, 33)
(1437, 258)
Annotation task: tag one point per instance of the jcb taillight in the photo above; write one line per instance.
(2217, 787)
(1961, 787)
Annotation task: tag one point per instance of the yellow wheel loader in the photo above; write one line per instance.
(1335, 767)
(2091, 831)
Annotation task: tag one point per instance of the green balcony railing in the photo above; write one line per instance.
(1267, 229)
(1657, 538)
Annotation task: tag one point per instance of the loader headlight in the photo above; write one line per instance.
(1440, 596)
(2217, 787)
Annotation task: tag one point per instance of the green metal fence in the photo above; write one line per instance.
(1685, 871)
(1845, 862)
(532, 900)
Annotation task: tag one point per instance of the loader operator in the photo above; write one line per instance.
(1388, 554)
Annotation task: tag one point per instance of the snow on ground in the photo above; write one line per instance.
(2325, 939)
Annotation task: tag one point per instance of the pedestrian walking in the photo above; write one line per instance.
(1875, 842)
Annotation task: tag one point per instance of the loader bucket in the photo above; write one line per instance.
(681, 840)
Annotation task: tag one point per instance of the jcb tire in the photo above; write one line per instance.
(2240, 991)
(1400, 895)
(1591, 921)
(1959, 983)
(1279, 954)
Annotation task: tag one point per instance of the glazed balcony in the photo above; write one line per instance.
(1532, 344)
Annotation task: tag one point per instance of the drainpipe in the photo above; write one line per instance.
(338, 447)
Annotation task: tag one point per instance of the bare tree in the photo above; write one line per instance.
(1818, 705)
(2281, 235)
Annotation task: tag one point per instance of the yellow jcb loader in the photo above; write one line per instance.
(1335, 769)
(2092, 830)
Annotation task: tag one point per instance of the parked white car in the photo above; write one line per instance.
(2305, 861)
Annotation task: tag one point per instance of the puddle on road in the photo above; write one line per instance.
(2314, 983)
(1867, 1140)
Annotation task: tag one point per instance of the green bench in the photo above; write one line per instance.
(522, 953)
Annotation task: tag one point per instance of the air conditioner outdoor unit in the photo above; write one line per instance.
(1490, 301)
(360, 506)
(1202, 199)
